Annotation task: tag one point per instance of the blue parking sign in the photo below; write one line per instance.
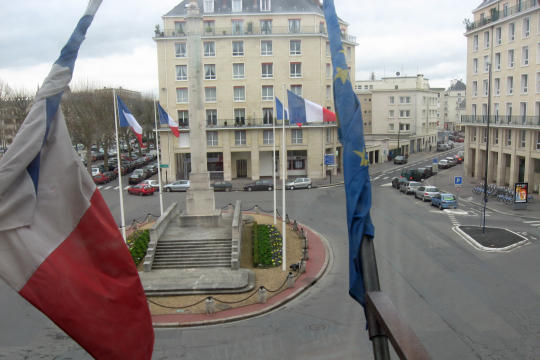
(458, 180)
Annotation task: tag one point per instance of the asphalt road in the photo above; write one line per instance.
(463, 303)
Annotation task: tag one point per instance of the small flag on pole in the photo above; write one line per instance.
(279, 110)
(165, 118)
(60, 247)
(355, 160)
(305, 111)
(127, 119)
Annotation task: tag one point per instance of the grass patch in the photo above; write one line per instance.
(267, 246)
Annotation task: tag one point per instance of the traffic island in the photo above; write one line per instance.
(491, 238)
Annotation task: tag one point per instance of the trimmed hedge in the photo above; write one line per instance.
(138, 244)
(267, 246)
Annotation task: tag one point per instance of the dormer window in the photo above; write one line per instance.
(208, 6)
(265, 5)
(236, 5)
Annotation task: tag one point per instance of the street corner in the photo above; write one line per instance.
(491, 239)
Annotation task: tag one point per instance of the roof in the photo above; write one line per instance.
(485, 3)
(252, 6)
(458, 86)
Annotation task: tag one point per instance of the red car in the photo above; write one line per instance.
(141, 189)
(101, 179)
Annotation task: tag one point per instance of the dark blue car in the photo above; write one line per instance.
(444, 201)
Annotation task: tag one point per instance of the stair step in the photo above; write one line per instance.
(190, 266)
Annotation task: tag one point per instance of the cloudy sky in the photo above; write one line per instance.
(414, 36)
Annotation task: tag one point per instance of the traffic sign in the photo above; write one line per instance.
(435, 160)
(328, 159)
(458, 180)
(164, 166)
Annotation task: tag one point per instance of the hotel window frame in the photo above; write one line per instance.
(239, 93)
(183, 118)
(498, 35)
(210, 50)
(297, 136)
(238, 75)
(510, 85)
(180, 49)
(239, 116)
(524, 83)
(497, 61)
(182, 95)
(296, 89)
(265, 5)
(497, 86)
(237, 26)
(238, 48)
(211, 117)
(236, 6)
(525, 55)
(208, 6)
(181, 72)
(212, 138)
(295, 69)
(268, 116)
(208, 94)
(240, 138)
(294, 26)
(268, 137)
(295, 47)
(265, 26)
(210, 72)
(264, 48)
(267, 70)
(526, 27)
(264, 91)
(511, 32)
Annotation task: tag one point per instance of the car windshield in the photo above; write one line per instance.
(448, 197)
(432, 189)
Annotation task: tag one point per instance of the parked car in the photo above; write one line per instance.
(151, 169)
(451, 161)
(95, 171)
(152, 183)
(178, 185)
(444, 201)
(299, 183)
(411, 187)
(395, 182)
(111, 175)
(262, 184)
(141, 189)
(411, 174)
(100, 178)
(137, 176)
(443, 164)
(442, 147)
(424, 173)
(402, 183)
(222, 186)
(459, 159)
(460, 139)
(425, 192)
(400, 159)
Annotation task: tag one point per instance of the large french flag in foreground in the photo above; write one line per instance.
(60, 248)
(304, 111)
(165, 118)
(127, 119)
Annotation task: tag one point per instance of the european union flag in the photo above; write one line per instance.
(355, 161)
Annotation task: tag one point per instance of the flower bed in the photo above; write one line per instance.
(138, 244)
(267, 246)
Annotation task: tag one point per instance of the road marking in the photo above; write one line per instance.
(535, 225)
(378, 177)
(386, 177)
(107, 188)
(127, 187)
(389, 184)
(117, 187)
(99, 187)
(456, 212)
(531, 221)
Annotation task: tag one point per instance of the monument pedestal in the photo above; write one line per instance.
(200, 202)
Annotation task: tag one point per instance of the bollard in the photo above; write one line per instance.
(295, 226)
(209, 306)
(305, 242)
(256, 208)
(302, 233)
(262, 295)
(287, 221)
(290, 280)
(305, 254)
(302, 266)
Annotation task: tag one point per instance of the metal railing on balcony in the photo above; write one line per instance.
(257, 122)
(519, 121)
(496, 14)
(253, 29)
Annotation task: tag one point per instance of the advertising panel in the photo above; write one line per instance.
(520, 193)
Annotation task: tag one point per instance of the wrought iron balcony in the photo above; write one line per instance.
(502, 120)
(496, 14)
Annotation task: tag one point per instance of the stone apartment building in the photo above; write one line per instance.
(252, 51)
(504, 35)
(453, 105)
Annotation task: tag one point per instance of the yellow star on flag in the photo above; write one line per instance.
(362, 154)
(342, 74)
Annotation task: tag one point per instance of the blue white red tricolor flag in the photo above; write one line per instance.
(165, 118)
(304, 111)
(280, 111)
(60, 247)
(355, 161)
(127, 119)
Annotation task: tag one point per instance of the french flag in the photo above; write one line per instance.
(60, 247)
(165, 118)
(304, 111)
(127, 119)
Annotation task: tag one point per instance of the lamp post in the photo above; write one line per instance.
(399, 131)
(487, 148)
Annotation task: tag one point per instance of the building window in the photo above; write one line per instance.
(267, 93)
(179, 28)
(391, 114)
(209, 26)
(327, 51)
(239, 117)
(497, 84)
(237, 27)
(473, 134)
(525, 56)
(496, 136)
(484, 135)
(497, 61)
(296, 89)
(183, 118)
(349, 53)
(211, 117)
(268, 137)
(210, 94)
(265, 5)
(523, 138)
(209, 72)
(391, 100)
(180, 49)
(328, 135)
(182, 95)
(510, 85)
(266, 47)
(240, 137)
(485, 87)
(212, 138)
(266, 27)
(486, 39)
(268, 116)
(498, 35)
(209, 48)
(181, 72)
(509, 111)
(294, 25)
(526, 30)
(511, 58)
(404, 99)
(538, 140)
(524, 83)
(538, 82)
(328, 92)
(509, 137)
(328, 71)
(475, 43)
(390, 127)
(523, 112)
(236, 5)
(295, 47)
(511, 31)
(267, 70)
(208, 6)
(486, 64)
(296, 136)
(238, 48)
(238, 71)
(239, 93)
(296, 70)
(404, 113)
(475, 66)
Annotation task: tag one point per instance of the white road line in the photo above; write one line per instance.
(117, 187)
(99, 187)
(389, 184)
(386, 177)
(531, 221)
(107, 188)
(127, 187)
(535, 225)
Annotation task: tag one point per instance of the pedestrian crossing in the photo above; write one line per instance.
(535, 223)
(103, 187)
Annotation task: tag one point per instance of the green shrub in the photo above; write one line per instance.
(267, 246)
(138, 244)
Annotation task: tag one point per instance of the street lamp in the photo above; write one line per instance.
(487, 147)
(399, 131)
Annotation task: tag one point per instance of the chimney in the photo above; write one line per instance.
(419, 81)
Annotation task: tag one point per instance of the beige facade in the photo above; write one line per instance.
(453, 105)
(250, 54)
(403, 110)
(505, 34)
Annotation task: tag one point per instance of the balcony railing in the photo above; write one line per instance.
(253, 123)
(496, 14)
(254, 30)
(519, 121)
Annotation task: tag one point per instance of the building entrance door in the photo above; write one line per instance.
(241, 168)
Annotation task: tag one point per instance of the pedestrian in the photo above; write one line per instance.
(430, 147)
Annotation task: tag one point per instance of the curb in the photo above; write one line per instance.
(271, 304)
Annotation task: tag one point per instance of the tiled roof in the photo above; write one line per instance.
(485, 3)
(458, 86)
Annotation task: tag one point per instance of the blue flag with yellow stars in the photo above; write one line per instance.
(355, 161)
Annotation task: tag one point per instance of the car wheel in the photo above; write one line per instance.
(228, 189)
(440, 206)
(309, 186)
(168, 189)
(423, 198)
(249, 189)
(269, 188)
(292, 187)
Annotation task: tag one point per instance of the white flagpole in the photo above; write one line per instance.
(158, 163)
(274, 164)
(284, 175)
(120, 186)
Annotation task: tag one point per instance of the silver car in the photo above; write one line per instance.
(179, 185)
(426, 192)
(299, 183)
(411, 187)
